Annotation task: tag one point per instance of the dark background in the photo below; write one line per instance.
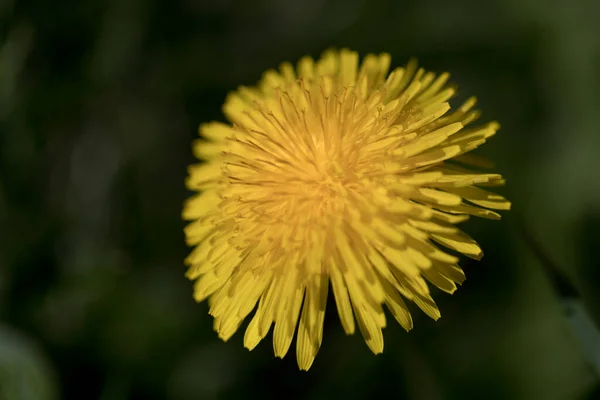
(99, 102)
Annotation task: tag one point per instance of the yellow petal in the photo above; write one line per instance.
(285, 326)
(342, 300)
(460, 242)
(369, 328)
(310, 330)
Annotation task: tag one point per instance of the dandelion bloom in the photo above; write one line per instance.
(333, 173)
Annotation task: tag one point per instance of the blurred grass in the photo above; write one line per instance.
(99, 101)
(24, 371)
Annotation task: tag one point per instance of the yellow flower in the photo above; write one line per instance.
(339, 173)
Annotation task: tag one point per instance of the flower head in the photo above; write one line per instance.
(339, 174)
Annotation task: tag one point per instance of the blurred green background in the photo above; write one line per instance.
(99, 102)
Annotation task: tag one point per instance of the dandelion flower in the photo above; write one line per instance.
(335, 174)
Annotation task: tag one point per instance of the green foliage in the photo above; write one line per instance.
(24, 371)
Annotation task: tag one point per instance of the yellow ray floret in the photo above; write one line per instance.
(339, 174)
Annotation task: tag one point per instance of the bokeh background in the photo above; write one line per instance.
(99, 102)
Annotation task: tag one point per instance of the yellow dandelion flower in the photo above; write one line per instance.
(333, 173)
